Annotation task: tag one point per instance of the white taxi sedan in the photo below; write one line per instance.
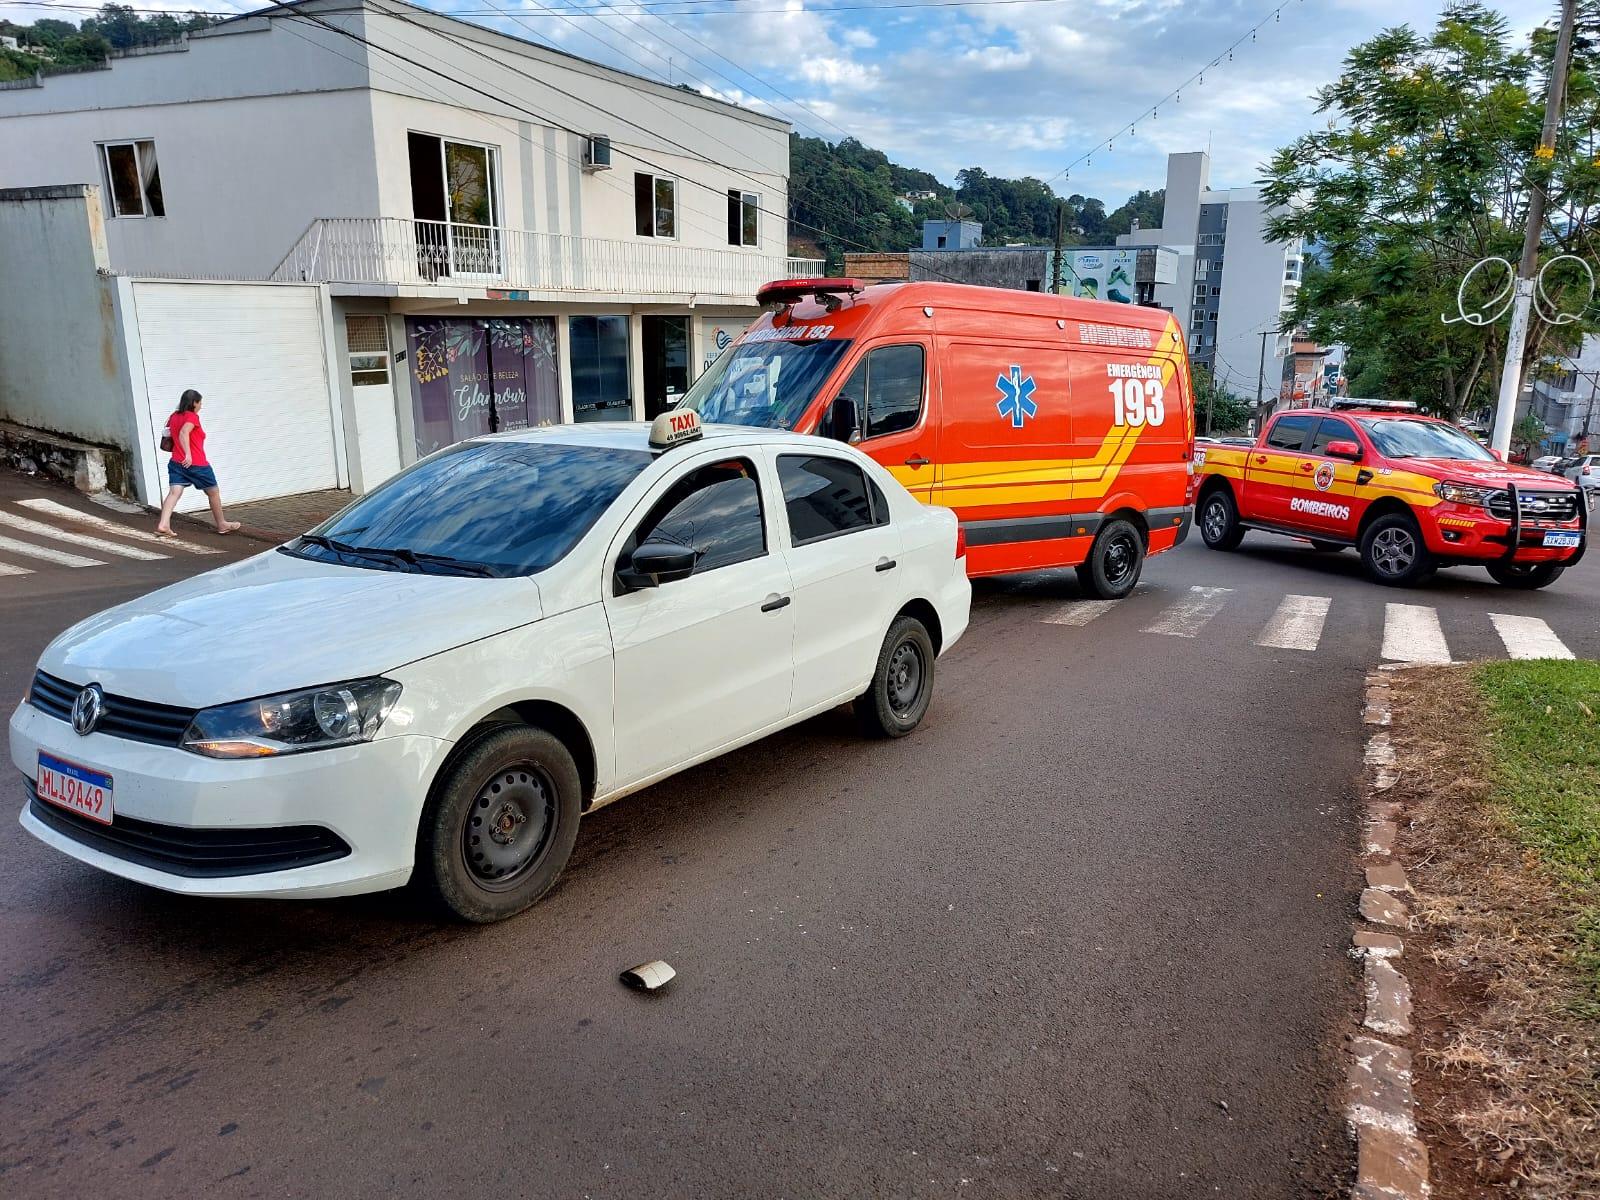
(516, 630)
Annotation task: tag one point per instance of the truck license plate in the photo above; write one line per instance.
(1565, 538)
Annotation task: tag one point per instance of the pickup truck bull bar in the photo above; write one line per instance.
(1514, 538)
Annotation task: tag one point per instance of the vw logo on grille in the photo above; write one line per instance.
(87, 709)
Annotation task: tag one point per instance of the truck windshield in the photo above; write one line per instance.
(1398, 437)
(770, 384)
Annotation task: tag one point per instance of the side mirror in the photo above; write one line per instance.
(1500, 455)
(1345, 449)
(843, 423)
(655, 563)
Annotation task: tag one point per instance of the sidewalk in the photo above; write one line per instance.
(280, 519)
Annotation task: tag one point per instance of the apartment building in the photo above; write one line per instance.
(471, 231)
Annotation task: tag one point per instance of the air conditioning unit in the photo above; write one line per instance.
(597, 154)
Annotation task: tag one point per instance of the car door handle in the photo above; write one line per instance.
(1306, 466)
(885, 564)
(1261, 458)
(774, 603)
(916, 460)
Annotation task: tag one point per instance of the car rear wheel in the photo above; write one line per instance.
(1393, 552)
(1526, 576)
(1115, 560)
(500, 824)
(902, 682)
(1219, 521)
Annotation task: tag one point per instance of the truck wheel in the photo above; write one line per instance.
(500, 824)
(1526, 576)
(1393, 552)
(1326, 547)
(902, 683)
(1114, 561)
(1219, 521)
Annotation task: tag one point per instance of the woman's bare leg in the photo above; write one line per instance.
(164, 523)
(223, 524)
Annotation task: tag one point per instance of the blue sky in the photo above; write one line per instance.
(1015, 88)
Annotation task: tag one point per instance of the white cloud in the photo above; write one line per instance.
(839, 73)
(859, 39)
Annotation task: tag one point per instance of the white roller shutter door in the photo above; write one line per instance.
(256, 353)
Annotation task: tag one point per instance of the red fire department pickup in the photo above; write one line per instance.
(1412, 493)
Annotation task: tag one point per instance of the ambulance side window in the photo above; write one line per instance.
(887, 387)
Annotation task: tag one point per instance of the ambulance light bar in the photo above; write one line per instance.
(1375, 405)
(674, 426)
(787, 291)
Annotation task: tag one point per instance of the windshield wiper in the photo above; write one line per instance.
(419, 558)
(328, 543)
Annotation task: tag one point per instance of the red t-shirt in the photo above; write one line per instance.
(197, 438)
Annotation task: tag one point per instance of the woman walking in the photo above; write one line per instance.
(188, 466)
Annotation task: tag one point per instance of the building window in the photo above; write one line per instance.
(1035, 285)
(1212, 317)
(132, 179)
(368, 342)
(600, 388)
(455, 198)
(655, 205)
(943, 241)
(742, 225)
(1199, 316)
(1216, 291)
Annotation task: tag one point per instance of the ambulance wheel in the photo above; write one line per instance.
(902, 683)
(1526, 576)
(1393, 552)
(1114, 561)
(500, 824)
(1326, 547)
(1219, 521)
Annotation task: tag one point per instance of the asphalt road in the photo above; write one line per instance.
(1082, 935)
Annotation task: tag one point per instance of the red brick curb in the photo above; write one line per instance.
(1391, 1161)
(276, 537)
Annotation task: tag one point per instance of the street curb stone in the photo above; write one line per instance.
(1391, 1160)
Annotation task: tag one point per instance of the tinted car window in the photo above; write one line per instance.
(716, 510)
(1331, 429)
(1289, 433)
(512, 507)
(823, 497)
(894, 389)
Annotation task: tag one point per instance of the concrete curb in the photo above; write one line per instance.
(1391, 1161)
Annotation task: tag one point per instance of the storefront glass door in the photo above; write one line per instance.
(481, 375)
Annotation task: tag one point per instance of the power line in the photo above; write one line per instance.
(635, 7)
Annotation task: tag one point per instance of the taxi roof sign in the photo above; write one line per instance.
(674, 426)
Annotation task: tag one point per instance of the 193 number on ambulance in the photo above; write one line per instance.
(1138, 402)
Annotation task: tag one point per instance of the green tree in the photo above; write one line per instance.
(1213, 403)
(1424, 170)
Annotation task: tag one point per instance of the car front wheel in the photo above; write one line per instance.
(1393, 552)
(902, 682)
(500, 824)
(1526, 576)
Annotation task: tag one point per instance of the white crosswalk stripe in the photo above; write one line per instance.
(1411, 633)
(1528, 637)
(1297, 625)
(8, 569)
(53, 508)
(1187, 616)
(1081, 612)
(60, 557)
(24, 525)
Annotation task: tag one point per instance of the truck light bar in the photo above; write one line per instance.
(1375, 405)
(787, 291)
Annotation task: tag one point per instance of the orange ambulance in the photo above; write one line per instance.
(1060, 430)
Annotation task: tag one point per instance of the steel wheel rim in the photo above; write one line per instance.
(509, 827)
(1216, 520)
(906, 673)
(1394, 551)
(1120, 558)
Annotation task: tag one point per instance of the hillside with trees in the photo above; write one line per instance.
(48, 44)
(843, 196)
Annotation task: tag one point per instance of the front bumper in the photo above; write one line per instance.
(1465, 533)
(365, 798)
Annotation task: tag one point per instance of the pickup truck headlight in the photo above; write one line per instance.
(339, 714)
(1465, 493)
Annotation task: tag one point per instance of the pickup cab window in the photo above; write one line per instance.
(1289, 432)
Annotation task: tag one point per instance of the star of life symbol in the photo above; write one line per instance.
(1016, 397)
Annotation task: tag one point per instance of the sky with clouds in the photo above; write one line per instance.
(1017, 87)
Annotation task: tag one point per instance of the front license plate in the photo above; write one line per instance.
(1560, 539)
(74, 788)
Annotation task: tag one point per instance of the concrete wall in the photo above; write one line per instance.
(63, 366)
(986, 268)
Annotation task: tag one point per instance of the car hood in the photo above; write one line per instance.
(1485, 474)
(276, 622)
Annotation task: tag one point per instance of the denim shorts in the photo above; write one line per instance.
(179, 475)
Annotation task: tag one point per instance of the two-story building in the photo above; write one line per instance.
(472, 230)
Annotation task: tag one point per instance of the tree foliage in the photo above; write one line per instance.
(850, 193)
(1423, 170)
(48, 43)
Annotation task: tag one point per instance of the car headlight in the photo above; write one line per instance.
(1465, 493)
(339, 714)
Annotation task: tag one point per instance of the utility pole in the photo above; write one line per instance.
(1522, 296)
(1055, 261)
(1261, 371)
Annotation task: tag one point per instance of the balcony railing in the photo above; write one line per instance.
(395, 250)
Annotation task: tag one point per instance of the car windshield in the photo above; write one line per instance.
(478, 508)
(770, 384)
(1401, 437)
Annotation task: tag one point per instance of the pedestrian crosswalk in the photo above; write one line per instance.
(40, 534)
(1411, 633)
